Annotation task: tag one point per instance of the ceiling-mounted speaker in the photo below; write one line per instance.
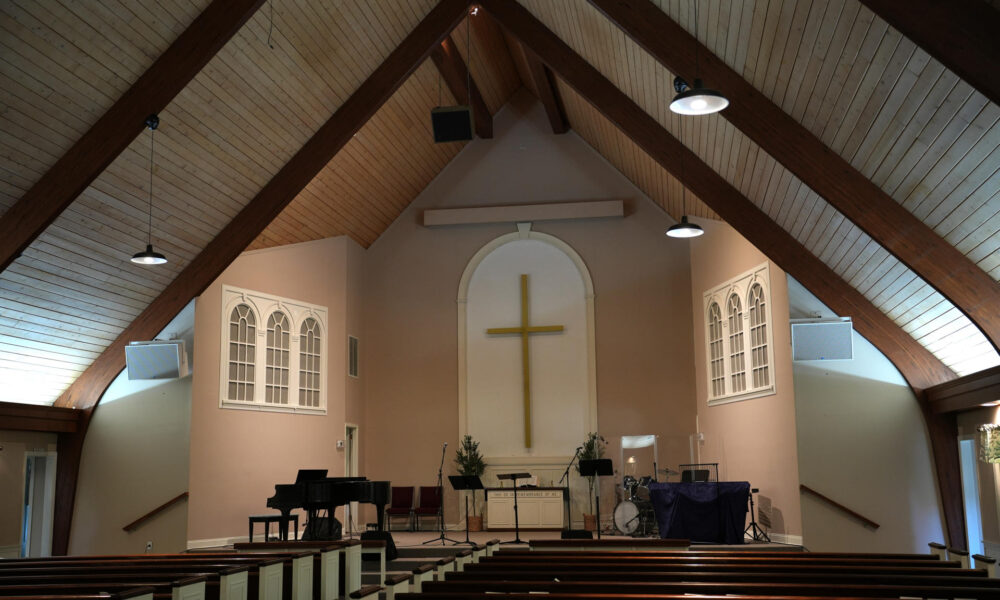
(451, 123)
(822, 339)
(161, 359)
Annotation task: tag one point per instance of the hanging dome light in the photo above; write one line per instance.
(684, 229)
(696, 100)
(148, 256)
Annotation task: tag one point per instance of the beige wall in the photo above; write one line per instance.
(643, 330)
(135, 458)
(14, 445)
(237, 456)
(862, 442)
(754, 440)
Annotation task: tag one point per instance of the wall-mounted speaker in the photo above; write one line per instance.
(822, 339)
(451, 123)
(162, 359)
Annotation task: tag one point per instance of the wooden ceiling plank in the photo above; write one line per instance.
(548, 94)
(850, 192)
(920, 368)
(454, 71)
(962, 34)
(116, 129)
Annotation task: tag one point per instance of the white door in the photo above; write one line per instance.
(39, 501)
(970, 494)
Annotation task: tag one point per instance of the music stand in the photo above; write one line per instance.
(466, 482)
(513, 479)
(600, 467)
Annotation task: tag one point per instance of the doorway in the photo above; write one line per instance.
(39, 500)
(351, 470)
(970, 494)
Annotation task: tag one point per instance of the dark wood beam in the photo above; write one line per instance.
(962, 34)
(455, 73)
(915, 244)
(116, 129)
(920, 368)
(86, 391)
(942, 429)
(548, 93)
(29, 417)
(966, 393)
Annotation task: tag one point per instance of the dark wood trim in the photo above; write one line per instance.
(154, 512)
(966, 393)
(962, 34)
(915, 244)
(86, 391)
(868, 522)
(942, 429)
(919, 367)
(29, 417)
(454, 71)
(116, 129)
(548, 93)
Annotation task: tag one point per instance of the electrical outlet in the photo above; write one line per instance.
(149, 547)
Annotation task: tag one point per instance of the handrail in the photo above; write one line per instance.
(154, 512)
(835, 504)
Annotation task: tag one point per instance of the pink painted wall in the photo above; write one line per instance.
(643, 331)
(755, 438)
(237, 456)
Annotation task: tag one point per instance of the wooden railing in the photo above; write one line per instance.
(135, 524)
(868, 522)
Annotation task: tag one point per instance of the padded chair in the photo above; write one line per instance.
(430, 503)
(401, 505)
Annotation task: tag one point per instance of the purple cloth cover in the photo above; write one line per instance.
(702, 511)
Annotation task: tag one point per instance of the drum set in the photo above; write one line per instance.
(634, 513)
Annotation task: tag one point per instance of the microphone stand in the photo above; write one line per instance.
(440, 487)
(569, 505)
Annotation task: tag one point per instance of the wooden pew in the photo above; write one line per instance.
(619, 588)
(139, 593)
(535, 554)
(638, 570)
(578, 545)
(640, 558)
(190, 588)
(421, 575)
(397, 584)
(337, 566)
(264, 574)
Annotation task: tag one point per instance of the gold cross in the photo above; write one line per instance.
(524, 330)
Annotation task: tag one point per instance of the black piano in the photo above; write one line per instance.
(313, 491)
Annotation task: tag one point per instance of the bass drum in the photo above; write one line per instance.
(627, 518)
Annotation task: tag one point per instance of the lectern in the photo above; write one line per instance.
(600, 467)
(513, 479)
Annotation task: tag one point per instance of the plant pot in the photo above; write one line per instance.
(590, 522)
(475, 522)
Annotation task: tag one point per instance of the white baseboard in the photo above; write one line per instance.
(784, 538)
(214, 542)
(10, 551)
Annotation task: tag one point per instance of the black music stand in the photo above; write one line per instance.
(600, 467)
(513, 479)
(466, 482)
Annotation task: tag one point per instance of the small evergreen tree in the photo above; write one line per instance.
(470, 462)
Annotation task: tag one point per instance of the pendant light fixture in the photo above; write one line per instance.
(684, 229)
(149, 256)
(696, 100)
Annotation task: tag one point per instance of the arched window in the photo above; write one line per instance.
(278, 343)
(309, 363)
(737, 359)
(756, 305)
(717, 356)
(242, 355)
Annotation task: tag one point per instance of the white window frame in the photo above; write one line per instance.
(297, 312)
(720, 294)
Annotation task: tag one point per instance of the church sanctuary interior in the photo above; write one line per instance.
(245, 243)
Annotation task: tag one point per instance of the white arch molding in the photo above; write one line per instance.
(524, 233)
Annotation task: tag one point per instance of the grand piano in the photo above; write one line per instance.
(313, 491)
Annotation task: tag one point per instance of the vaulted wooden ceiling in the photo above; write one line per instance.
(914, 130)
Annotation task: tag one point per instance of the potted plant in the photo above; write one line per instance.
(593, 448)
(470, 462)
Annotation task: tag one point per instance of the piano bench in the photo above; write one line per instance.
(281, 521)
